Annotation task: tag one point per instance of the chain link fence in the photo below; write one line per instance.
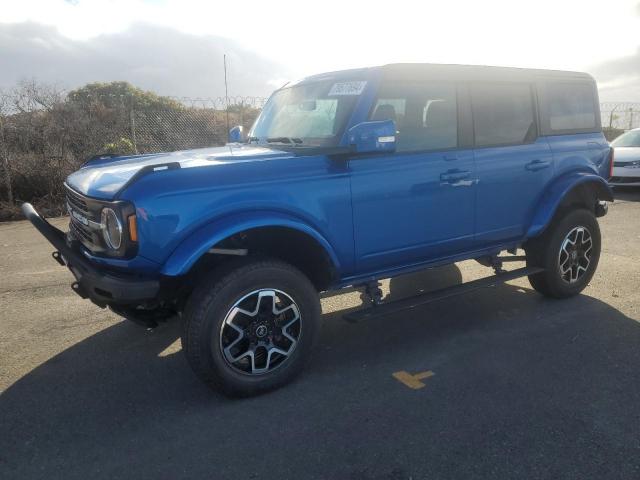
(45, 135)
(618, 117)
(43, 138)
(201, 123)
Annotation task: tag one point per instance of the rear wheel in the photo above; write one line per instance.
(569, 251)
(251, 329)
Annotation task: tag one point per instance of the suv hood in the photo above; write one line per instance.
(626, 154)
(104, 178)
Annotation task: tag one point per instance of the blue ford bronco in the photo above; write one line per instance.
(344, 179)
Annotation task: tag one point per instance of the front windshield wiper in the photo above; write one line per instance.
(290, 140)
(287, 140)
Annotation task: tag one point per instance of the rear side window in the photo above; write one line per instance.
(425, 114)
(570, 106)
(503, 114)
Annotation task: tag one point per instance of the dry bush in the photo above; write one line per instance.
(45, 134)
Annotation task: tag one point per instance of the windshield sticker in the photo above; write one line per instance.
(347, 88)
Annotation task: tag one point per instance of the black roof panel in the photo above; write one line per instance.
(477, 72)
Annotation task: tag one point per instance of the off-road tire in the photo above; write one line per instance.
(544, 251)
(210, 304)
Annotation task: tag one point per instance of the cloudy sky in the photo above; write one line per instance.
(175, 47)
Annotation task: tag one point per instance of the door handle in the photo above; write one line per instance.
(456, 178)
(536, 165)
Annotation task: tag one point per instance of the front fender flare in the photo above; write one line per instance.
(199, 242)
(557, 191)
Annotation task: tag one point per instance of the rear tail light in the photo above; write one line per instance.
(611, 163)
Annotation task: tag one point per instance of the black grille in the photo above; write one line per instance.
(80, 233)
(77, 202)
(79, 205)
(624, 179)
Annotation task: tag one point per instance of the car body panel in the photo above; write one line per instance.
(105, 178)
(139, 263)
(625, 155)
(404, 210)
(200, 241)
(312, 192)
(556, 192)
(510, 179)
(585, 151)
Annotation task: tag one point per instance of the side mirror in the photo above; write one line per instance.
(236, 134)
(378, 136)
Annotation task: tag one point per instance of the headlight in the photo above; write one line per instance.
(111, 228)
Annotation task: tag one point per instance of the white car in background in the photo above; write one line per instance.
(626, 164)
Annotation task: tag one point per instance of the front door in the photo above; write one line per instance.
(416, 204)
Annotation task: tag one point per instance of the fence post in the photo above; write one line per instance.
(132, 123)
(630, 118)
(611, 114)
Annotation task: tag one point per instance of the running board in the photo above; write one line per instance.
(428, 297)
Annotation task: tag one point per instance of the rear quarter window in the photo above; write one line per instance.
(570, 107)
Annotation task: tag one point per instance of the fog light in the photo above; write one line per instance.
(111, 228)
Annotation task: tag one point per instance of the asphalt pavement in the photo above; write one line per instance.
(500, 383)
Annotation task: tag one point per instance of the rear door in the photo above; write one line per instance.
(513, 163)
(418, 203)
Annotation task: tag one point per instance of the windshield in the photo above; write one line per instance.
(629, 139)
(312, 114)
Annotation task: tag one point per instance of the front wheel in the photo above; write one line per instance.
(251, 329)
(569, 251)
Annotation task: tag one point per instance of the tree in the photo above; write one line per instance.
(4, 153)
(115, 110)
(116, 94)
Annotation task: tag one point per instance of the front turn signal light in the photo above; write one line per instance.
(133, 228)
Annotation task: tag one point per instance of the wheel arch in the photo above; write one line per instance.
(275, 234)
(574, 189)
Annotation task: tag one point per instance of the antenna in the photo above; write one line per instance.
(226, 92)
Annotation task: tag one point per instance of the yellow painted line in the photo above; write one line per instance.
(413, 381)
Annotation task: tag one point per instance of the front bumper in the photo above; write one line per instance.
(625, 176)
(625, 181)
(102, 287)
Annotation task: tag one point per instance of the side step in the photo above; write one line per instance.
(428, 297)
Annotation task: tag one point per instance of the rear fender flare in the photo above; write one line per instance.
(190, 250)
(558, 191)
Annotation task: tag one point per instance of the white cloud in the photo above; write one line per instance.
(151, 57)
(331, 34)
